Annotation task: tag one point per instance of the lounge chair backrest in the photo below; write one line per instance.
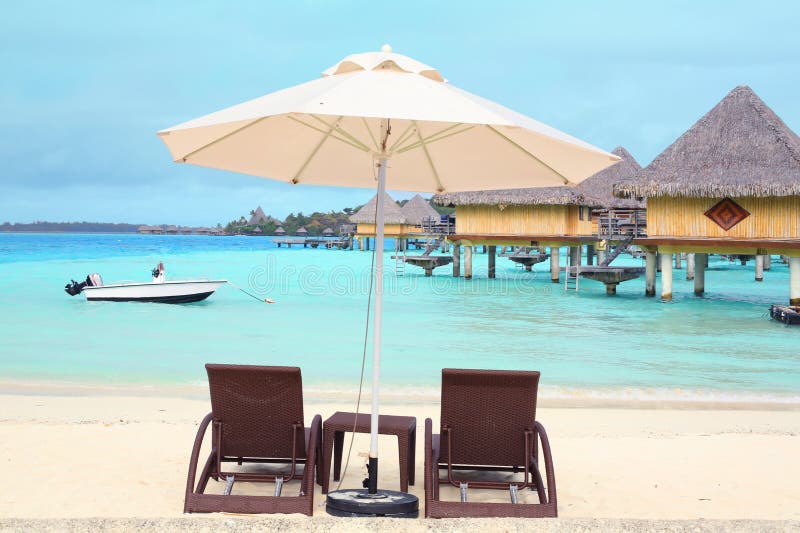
(256, 407)
(487, 413)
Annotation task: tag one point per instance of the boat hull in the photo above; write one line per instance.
(787, 314)
(170, 292)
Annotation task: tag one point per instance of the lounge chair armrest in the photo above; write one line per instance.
(198, 443)
(548, 463)
(314, 446)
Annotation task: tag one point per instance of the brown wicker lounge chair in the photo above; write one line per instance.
(488, 424)
(256, 418)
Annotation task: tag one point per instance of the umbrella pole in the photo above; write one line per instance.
(371, 501)
(372, 485)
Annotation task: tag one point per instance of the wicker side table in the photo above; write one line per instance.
(334, 428)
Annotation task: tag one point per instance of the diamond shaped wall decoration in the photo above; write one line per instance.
(726, 213)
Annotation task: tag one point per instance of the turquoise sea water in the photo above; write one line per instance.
(720, 346)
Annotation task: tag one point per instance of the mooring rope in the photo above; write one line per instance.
(251, 295)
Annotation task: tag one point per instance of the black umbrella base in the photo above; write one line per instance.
(358, 502)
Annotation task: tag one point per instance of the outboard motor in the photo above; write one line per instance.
(74, 288)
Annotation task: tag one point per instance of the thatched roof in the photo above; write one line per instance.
(391, 212)
(259, 217)
(327, 231)
(280, 231)
(418, 209)
(601, 185)
(563, 195)
(739, 148)
(302, 231)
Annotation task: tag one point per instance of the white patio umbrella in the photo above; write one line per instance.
(384, 110)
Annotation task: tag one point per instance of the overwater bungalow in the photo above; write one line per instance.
(327, 232)
(542, 217)
(150, 230)
(302, 231)
(418, 212)
(395, 224)
(729, 185)
(280, 231)
(616, 217)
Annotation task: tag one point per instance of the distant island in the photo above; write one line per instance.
(257, 223)
(68, 227)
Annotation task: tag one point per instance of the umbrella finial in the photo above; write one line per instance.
(386, 49)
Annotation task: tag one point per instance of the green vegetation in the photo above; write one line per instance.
(315, 223)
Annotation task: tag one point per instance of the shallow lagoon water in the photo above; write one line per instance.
(718, 347)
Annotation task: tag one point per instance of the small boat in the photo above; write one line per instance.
(788, 314)
(158, 290)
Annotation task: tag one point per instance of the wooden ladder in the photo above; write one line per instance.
(572, 283)
(400, 264)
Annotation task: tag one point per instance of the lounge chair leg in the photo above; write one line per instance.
(463, 487)
(228, 486)
(278, 486)
(514, 493)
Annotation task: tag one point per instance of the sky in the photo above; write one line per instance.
(85, 85)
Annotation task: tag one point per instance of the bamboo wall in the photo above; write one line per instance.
(390, 230)
(521, 220)
(776, 217)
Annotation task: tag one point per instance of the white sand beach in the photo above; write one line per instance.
(126, 457)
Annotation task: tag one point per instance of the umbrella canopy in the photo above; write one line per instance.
(440, 138)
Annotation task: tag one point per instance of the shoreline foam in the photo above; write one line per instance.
(629, 397)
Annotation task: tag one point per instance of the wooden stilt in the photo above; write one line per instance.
(767, 262)
(492, 250)
(456, 260)
(468, 262)
(678, 264)
(689, 267)
(759, 268)
(574, 255)
(658, 262)
(554, 272)
(601, 256)
(666, 276)
(590, 254)
(700, 265)
(650, 274)
(794, 281)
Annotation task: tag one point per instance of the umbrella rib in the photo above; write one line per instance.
(400, 140)
(371, 136)
(220, 139)
(343, 132)
(295, 179)
(507, 139)
(439, 187)
(436, 137)
(358, 146)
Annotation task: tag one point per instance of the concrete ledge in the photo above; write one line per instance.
(325, 524)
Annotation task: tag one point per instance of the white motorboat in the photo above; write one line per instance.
(158, 290)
